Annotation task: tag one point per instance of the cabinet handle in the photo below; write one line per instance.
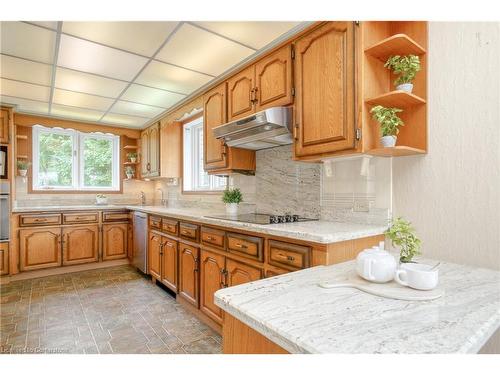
(148, 166)
(241, 246)
(42, 220)
(210, 238)
(295, 129)
(255, 100)
(290, 258)
(250, 94)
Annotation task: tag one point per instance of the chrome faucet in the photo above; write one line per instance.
(163, 201)
(143, 198)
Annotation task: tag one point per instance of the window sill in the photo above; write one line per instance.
(62, 191)
(202, 192)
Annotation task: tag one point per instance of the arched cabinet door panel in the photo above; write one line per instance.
(80, 244)
(240, 273)
(189, 283)
(114, 241)
(39, 248)
(240, 94)
(211, 280)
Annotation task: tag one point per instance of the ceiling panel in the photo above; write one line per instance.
(25, 105)
(24, 70)
(124, 120)
(135, 109)
(90, 57)
(202, 51)
(143, 38)
(24, 90)
(50, 24)
(77, 99)
(76, 113)
(88, 83)
(28, 41)
(147, 95)
(252, 34)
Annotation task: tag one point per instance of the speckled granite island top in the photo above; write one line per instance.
(294, 312)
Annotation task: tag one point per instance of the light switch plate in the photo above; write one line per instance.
(361, 205)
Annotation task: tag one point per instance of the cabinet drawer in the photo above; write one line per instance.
(247, 246)
(288, 255)
(170, 226)
(189, 231)
(115, 216)
(80, 217)
(212, 237)
(155, 222)
(39, 219)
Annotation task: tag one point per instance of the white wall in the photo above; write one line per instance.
(452, 195)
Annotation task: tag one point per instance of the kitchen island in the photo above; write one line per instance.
(291, 312)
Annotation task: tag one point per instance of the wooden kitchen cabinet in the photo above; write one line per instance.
(325, 90)
(80, 244)
(144, 153)
(240, 93)
(4, 258)
(114, 241)
(39, 248)
(189, 273)
(150, 151)
(5, 121)
(212, 272)
(154, 255)
(169, 263)
(240, 273)
(171, 149)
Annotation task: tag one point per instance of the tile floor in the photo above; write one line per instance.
(112, 310)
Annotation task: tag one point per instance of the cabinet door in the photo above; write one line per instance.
(211, 280)
(80, 244)
(171, 149)
(5, 115)
(154, 255)
(273, 76)
(114, 241)
(169, 264)
(130, 243)
(145, 153)
(39, 248)
(188, 273)
(240, 94)
(154, 150)
(240, 273)
(325, 90)
(4, 258)
(214, 114)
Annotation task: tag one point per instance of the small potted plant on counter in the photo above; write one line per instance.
(101, 199)
(402, 234)
(389, 123)
(129, 172)
(22, 167)
(132, 156)
(232, 197)
(406, 67)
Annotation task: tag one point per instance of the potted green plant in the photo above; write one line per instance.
(406, 67)
(101, 199)
(232, 197)
(22, 167)
(402, 234)
(389, 123)
(129, 172)
(132, 156)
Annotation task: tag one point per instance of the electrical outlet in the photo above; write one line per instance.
(361, 205)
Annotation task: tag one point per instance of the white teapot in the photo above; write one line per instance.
(376, 264)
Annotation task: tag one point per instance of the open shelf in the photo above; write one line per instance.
(21, 137)
(22, 156)
(130, 147)
(396, 151)
(131, 163)
(399, 99)
(398, 44)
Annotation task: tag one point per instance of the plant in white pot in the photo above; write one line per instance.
(101, 199)
(132, 156)
(22, 167)
(129, 172)
(402, 234)
(406, 67)
(389, 123)
(232, 197)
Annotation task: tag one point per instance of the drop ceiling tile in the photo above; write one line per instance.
(124, 120)
(24, 70)
(77, 99)
(135, 109)
(88, 83)
(147, 95)
(252, 34)
(28, 41)
(24, 90)
(169, 77)
(25, 105)
(75, 113)
(90, 57)
(143, 38)
(50, 24)
(200, 50)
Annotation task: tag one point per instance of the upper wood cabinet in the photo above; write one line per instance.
(171, 149)
(39, 248)
(114, 241)
(5, 121)
(240, 89)
(325, 90)
(214, 114)
(80, 244)
(150, 151)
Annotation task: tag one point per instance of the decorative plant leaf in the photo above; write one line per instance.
(232, 195)
(404, 66)
(388, 119)
(402, 234)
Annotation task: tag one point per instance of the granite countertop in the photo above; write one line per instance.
(71, 208)
(294, 312)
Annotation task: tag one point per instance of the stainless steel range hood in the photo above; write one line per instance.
(269, 128)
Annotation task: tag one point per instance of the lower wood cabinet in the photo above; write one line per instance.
(4, 258)
(39, 248)
(189, 273)
(154, 255)
(212, 271)
(239, 273)
(114, 241)
(80, 244)
(169, 263)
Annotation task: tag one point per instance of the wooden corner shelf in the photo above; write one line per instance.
(397, 98)
(25, 137)
(130, 147)
(398, 44)
(396, 151)
(22, 156)
(131, 163)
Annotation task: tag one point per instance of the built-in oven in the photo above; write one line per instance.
(4, 164)
(4, 211)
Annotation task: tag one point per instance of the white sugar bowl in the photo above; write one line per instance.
(376, 264)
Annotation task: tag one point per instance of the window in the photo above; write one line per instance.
(66, 159)
(194, 176)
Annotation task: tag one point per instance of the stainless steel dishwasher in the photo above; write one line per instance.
(141, 241)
